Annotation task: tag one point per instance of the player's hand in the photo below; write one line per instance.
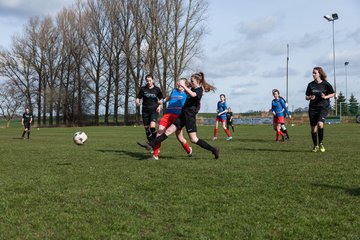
(158, 109)
(312, 97)
(289, 116)
(323, 96)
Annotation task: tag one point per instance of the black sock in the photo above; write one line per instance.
(28, 134)
(286, 133)
(158, 140)
(23, 135)
(205, 145)
(321, 134)
(314, 138)
(153, 133)
(148, 134)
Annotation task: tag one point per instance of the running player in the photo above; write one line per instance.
(221, 117)
(278, 107)
(229, 119)
(175, 101)
(151, 97)
(187, 117)
(318, 92)
(26, 121)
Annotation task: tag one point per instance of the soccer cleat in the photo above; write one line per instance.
(322, 148)
(315, 149)
(153, 157)
(228, 138)
(216, 153)
(145, 145)
(214, 138)
(190, 153)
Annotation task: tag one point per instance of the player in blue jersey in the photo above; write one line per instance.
(221, 117)
(318, 92)
(151, 97)
(187, 117)
(175, 103)
(278, 107)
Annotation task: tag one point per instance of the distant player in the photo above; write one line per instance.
(278, 108)
(151, 97)
(175, 102)
(283, 126)
(229, 119)
(318, 92)
(221, 117)
(26, 121)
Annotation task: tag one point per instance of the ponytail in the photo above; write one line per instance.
(200, 77)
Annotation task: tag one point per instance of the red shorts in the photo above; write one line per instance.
(168, 119)
(279, 119)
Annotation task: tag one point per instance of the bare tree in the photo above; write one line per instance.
(10, 101)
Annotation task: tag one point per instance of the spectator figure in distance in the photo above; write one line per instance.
(221, 110)
(26, 121)
(318, 92)
(151, 97)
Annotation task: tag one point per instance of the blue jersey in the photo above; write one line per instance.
(176, 101)
(221, 106)
(278, 107)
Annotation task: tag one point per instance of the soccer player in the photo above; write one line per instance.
(26, 121)
(229, 119)
(221, 117)
(318, 92)
(283, 126)
(175, 102)
(278, 107)
(151, 97)
(187, 117)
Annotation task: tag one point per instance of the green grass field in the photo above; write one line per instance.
(52, 189)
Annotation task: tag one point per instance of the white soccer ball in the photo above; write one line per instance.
(80, 138)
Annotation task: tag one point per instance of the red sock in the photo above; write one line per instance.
(156, 149)
(227, 132)
(215, 132)
(186, 147)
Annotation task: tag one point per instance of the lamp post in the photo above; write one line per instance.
(287, 74)
(346, 92)
(332, 19)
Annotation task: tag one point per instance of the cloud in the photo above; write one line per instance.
(258, 27)
(308, 40)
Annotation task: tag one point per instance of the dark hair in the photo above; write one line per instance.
(275, 90)
(222, 95)
(321, 72)
(200, 77)
(149, 75)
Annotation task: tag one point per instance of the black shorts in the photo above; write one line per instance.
(149, 116)
(27, 125)
(317, 115)
(187, 119)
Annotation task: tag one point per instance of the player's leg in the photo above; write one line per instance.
(226, 130)
(216, 129)
(184, 143)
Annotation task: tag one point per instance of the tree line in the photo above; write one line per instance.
(93, 56)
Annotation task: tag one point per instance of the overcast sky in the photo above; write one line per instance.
(246, 46)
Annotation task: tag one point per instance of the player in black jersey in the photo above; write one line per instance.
(187, 117)
(152, 98)
(26, 121)
(318, 93)
(229, 119)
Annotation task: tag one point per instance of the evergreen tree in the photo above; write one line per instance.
(353, 106)
(341, 105)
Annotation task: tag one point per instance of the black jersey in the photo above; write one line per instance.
(150, 97)
(317, 89)
(228, 116)
(193, 103)
(27, 117)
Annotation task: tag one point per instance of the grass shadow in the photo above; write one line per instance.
(271, 150)
(64, 164)
(350, 191)
(137, 155)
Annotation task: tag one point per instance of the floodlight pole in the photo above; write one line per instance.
(332, 19)
(346, 88)
(287, 74)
